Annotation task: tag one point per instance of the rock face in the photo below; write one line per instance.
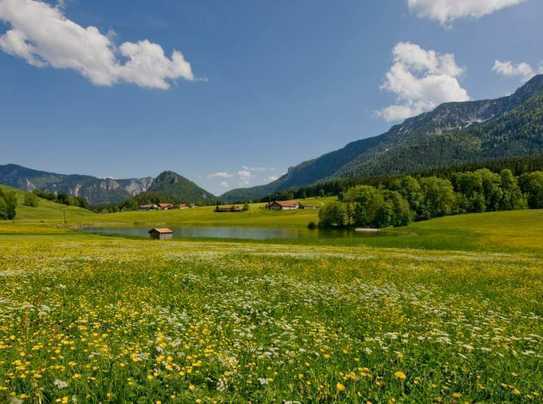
(453, 133)
(95, 190)
(99, 191)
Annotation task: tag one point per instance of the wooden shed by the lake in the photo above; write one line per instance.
(161, 233)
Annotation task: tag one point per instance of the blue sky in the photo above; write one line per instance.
(253, 87)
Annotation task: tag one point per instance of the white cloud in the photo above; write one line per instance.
(220, 174)
(421, 80)
(245, 176)
(522, 70)
(43, 36)
(446, 11)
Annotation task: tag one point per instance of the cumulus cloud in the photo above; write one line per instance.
(522, 70)
(421, 80)
(220, 174)
(41, 34)
(446, 11)
(245, 176)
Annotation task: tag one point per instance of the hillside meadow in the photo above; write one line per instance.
(447, 310)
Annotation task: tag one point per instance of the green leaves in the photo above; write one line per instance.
(8, 205)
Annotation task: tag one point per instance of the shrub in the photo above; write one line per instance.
(332, 215)
(31, 200)
(8, 205)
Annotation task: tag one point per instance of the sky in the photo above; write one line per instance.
(232, 93)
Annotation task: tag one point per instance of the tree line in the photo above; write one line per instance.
(409, 198)
(517, 165)
(62, 198)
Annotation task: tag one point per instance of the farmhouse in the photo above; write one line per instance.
(183, 206)
(166, 206)
(161, 233)
(284, 205)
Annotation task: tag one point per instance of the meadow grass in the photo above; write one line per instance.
(100, 319)
(399, 317)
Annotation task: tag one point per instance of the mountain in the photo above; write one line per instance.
(98, 191)
(452, 134)
(173, 185)
(95, 190)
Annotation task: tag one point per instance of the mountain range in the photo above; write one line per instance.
(452, 134)
(99, 191)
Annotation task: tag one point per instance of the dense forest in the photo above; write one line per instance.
(402, 200)
(518, 166)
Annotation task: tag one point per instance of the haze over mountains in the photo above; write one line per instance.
(453, 133)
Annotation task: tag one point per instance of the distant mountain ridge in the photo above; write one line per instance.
(98, 191)
(451, 134)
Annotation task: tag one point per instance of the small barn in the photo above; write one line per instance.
(166, 206)
(284, 205)
(161, 233)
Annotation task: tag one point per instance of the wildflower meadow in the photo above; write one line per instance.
(98, 319)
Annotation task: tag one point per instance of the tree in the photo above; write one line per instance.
(31, 200)
(492, 190)
(438, 198)
(532, 185)
(410, 189)
(400, 208)
(367, 202)
(8, 205)
(332, 215)
(470, 190)
(512, 196)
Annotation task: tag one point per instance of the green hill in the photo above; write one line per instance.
(46, 211)
(172, 185)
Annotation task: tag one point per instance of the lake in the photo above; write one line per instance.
(231, 232)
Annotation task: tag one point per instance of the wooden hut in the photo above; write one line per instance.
(284, 205)
(161, 233)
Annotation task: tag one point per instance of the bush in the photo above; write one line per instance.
(332, 215)
(31, 200)
(8, 205)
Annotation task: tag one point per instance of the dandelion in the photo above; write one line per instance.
(401, 376)
(340, 388)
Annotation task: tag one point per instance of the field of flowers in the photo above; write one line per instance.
(91, 319)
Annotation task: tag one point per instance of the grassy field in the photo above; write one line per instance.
(501, 231)
(47, 211)
(396, 318)
(97, 319)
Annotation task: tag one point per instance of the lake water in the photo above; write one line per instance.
(240, 233)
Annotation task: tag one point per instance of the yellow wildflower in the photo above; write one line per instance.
(400, 375)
